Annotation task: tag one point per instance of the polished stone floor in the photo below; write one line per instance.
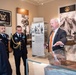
(35, 68)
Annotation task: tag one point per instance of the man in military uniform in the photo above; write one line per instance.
(4, 38)
(18, 44)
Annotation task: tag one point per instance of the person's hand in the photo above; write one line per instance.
(52, 54)
(46, 46)
(58, 43)
(57, 63)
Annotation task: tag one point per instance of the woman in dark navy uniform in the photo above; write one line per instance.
(5, 68)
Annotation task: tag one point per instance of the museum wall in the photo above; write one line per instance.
(47, 11)
(50, 9)
(12, 5)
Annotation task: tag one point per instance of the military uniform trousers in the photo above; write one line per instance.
(17, 56)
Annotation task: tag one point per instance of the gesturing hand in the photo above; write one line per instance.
(58, 43)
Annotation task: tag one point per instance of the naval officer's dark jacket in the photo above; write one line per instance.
(22, 49)
(4, 39)
(5, 68)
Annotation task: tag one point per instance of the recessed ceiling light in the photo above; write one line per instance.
(22, 0)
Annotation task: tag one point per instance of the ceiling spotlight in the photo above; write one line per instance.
(42, 3)
(22, 0)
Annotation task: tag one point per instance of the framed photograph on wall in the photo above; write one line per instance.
(5, 17)
(23, 19)
(68, 19)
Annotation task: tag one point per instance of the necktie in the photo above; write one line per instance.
(3, 35)
(20, 35)
(50, 42)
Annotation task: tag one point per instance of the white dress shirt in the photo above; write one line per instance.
(55, 31)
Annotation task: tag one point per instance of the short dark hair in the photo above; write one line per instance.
(18, 27)
(2, 25)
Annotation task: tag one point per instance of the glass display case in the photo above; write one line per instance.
(39, 68)
(58, 70)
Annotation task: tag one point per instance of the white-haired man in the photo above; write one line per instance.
(57, 40)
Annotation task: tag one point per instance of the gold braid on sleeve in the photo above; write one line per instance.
(18, 44)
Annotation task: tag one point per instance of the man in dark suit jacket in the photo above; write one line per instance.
(18, 44)
(58, 39)
(5, 68)
(4, 38)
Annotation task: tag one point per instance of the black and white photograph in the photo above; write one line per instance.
(68, 23)
(68, 19)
